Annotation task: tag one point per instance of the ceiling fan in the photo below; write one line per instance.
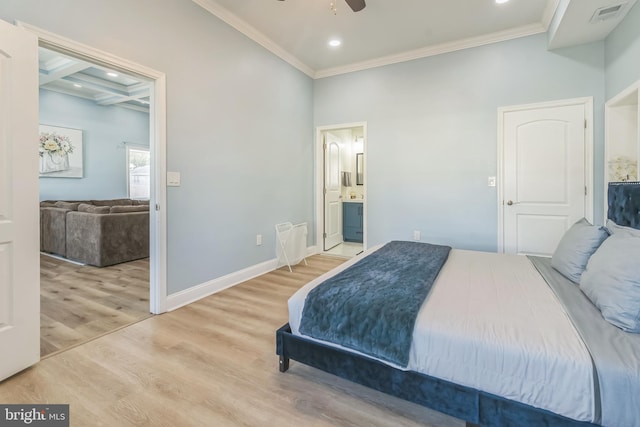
(355, 5)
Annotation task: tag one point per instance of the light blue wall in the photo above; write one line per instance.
(432, 131)
(239, 125)
(104, 129)
(623, 54)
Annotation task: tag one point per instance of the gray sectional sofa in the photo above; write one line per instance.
(95, 232)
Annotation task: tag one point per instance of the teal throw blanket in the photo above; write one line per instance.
(372, 306)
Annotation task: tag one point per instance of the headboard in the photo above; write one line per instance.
(624, 203)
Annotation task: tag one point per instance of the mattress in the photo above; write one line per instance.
(492, 323)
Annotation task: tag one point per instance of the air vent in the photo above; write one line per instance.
(607, 12)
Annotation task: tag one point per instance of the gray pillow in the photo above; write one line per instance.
(112, 202)
(615, 228)
(125, 209)
(612, 281)
(576, 247)
(68, 205)
(83, 207)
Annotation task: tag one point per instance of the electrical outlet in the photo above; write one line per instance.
(416, 235)
(258, 239)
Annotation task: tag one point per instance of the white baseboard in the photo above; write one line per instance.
(195, 293)
(61, 258)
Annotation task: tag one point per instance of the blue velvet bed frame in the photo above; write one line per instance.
(474, 406)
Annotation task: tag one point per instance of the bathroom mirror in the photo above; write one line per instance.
(359, 169)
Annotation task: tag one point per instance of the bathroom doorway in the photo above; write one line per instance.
(341, 189)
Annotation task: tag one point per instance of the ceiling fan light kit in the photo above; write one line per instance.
(332, 6)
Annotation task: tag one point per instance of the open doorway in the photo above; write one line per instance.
(94, 200)
(149, 270)
(341, 189)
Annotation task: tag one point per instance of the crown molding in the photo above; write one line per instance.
(233, 20)
(496, 37)
(248, 30)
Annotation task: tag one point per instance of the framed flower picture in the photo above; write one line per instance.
(60, 152)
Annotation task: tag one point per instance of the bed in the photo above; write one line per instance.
(496, 340)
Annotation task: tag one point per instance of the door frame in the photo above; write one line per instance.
(157, 145)
(319, 179)
(587, 102)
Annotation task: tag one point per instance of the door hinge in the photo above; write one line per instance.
(324, 146)
(157, 206)
(585, 190)
(324, 235)
(585, 123)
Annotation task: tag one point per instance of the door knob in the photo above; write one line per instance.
(510, 202)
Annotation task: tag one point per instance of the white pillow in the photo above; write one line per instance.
(612, 280)
(576, 246)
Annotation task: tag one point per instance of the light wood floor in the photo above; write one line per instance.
(79, 303)
(211, 363)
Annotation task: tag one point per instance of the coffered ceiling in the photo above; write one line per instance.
(64, 74)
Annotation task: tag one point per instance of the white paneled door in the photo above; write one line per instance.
(544, 188)
(332, 196)
(19, 256)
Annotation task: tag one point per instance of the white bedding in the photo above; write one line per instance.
(492, 323)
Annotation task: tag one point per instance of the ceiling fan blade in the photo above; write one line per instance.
(356, 5)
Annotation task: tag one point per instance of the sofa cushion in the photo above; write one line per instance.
(47, 204)
(140, 202)
(84, 207)
(125, 209)
(73, 206)
(112, 202)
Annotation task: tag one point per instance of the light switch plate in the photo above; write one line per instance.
(491, 181)
(173, 179)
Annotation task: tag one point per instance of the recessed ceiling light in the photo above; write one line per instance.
(77, 85)
(112, 74)
(501, 1)
(334, 43)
